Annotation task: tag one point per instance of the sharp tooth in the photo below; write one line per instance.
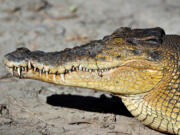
(40, 72)
(46, 73)
(54, 77)
(73, 68)
(62, 77)
(29, 65)
(80, 67)
(11, 71)
(100, 74)
(25, 68)
(19, 71)
(34, 69)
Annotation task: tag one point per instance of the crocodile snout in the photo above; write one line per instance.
(17, 57)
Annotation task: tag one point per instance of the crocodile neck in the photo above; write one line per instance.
(161, 105)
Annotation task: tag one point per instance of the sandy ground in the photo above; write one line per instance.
(29, 107)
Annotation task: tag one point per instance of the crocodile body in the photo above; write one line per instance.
(142, 66)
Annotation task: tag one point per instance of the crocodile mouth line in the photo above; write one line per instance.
(19, 70)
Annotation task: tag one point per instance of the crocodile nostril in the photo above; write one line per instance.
(23, 49)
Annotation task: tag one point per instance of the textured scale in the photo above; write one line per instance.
(142, 66)
(160, 108)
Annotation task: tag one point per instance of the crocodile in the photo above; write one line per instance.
(141, 66)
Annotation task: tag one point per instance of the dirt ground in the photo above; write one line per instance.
(29, 107)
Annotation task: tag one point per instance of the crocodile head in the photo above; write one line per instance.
(140, 65)
(130, 61)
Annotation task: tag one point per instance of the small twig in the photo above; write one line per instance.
(66, 17)
(79, 123)
(117, 132)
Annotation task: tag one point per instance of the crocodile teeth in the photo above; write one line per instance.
(29, 65)
(25, 69)
(11, 71)
(67, 71)
(54, 77)
(62, 77)
(46, 73)
(40, 72)
(100, 74)
(80, 67)
(19, 71)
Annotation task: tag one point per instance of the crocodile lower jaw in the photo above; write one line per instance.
(83, 77)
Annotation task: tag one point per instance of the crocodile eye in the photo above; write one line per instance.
(154, 41)
(154, 55)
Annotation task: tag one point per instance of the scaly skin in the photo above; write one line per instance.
(139, 65)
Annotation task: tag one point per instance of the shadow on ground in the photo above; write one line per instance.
(103, 104)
